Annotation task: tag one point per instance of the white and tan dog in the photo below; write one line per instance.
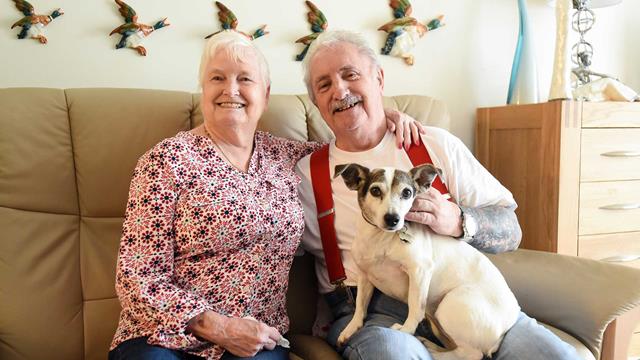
(461, 293)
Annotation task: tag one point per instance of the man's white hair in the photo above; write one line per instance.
(237, 47)
(332, 38)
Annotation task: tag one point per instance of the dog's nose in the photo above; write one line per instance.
(391, 219)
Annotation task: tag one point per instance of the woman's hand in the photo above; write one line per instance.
(243, 337)
(406, 128)
(246, 337)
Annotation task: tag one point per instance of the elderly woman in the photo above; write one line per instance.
(212, 224)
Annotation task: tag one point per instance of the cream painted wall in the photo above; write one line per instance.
(467, 63)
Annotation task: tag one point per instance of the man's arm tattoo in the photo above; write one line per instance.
(498, 228)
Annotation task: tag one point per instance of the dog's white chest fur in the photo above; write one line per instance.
(381, 258)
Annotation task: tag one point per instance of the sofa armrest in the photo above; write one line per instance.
(310, 347)
(577, 295)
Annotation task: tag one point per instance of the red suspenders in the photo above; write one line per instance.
(321, 183)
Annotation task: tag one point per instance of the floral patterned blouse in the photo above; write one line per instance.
(200, 235)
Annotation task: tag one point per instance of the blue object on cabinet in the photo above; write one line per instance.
(523, 86)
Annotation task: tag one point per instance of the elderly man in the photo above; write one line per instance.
(345, 81)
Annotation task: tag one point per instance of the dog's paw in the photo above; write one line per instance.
(342, 339)
(346, 334)
(403, 328)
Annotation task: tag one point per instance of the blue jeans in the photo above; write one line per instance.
(138, 349)
(526, 340)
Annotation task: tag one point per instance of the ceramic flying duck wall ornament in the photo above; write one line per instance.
(318, 23)
(404, 31)
(229, 22)
(132, 31)
(32, 24)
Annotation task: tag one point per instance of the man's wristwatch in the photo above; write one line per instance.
(469, 226)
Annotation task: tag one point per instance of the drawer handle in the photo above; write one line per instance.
(623, 153)
(628, 206)
(622, 258)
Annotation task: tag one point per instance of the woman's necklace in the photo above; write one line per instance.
(220, 149)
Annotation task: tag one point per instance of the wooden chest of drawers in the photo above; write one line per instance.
(574, 170)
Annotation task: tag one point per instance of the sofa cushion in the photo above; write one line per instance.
(36, 155)
(582, 350)
(40, 293)
(302, 295)
(312, 348)
(99, 326)
(99, 242)
(111, 129)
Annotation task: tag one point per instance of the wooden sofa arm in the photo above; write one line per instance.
(579, 296)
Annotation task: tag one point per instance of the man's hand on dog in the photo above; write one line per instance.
(434, 210)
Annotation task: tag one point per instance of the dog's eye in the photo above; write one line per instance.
(406, 193)
(375, 191)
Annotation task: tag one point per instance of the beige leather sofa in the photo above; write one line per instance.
(66, 158)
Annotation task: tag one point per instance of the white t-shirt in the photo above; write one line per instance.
(469, 183)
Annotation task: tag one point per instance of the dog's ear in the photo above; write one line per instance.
(354, 175)
(424, 175)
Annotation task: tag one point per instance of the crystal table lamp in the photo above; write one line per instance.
(580, 54)
(582, 51)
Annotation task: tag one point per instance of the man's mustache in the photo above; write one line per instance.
(347, 101)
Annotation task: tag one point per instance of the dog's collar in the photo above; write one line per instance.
(404, 235)
(367, 220)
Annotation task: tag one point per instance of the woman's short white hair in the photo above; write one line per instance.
(332, 38)
(236, 45)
